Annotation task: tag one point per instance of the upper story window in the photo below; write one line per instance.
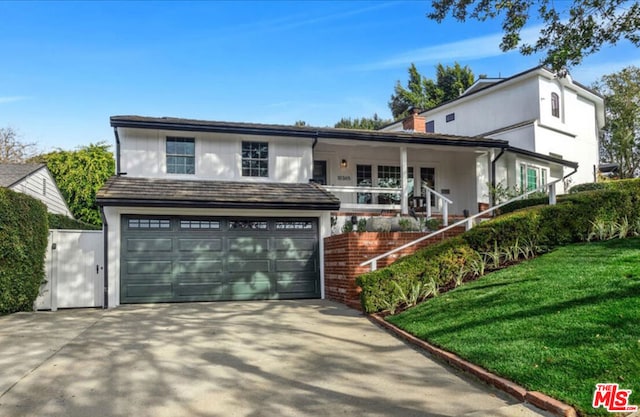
(181, 154)
(255, 159)
(430, 126)
(450, 117)
(555, 105)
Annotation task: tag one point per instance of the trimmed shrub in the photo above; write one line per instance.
(506, 230)
(433, 267)
(60, 221)
(520, 204)
(23, 243)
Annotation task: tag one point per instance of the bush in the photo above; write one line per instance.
(60, 221)
(505, 239)
(23, 243)
(430, 269)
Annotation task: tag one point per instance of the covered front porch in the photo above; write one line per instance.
(424, 180)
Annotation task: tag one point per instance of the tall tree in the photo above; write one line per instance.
(12, 149)
(570, 30)
(424, 93)
(364, 123)
(79, 175)
(621, 141)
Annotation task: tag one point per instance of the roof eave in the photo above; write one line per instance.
(133, 202)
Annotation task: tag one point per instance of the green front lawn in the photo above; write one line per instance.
(559, 324)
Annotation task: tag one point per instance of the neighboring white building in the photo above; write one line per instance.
(534, 111)
(208, 210)
(36, 181)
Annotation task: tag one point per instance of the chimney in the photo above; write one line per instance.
(414, 122)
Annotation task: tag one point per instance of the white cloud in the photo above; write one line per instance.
(463, 50)
(589, 73)
(12, 99)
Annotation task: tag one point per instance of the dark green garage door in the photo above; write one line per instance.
(169, 258)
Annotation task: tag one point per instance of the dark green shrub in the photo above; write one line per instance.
(59, 221)
(505, 230)
(438, 264)
(589, 186)
(520, 204)
(23, 242)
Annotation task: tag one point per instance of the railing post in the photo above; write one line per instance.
(469, 223)
(552, 194)
(427, 203)
(374, 265)
(445, 213)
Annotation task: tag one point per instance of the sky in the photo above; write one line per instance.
(68, 66)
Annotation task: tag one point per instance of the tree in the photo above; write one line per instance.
(300, 123)
(364, 123)
(567, 34)
(12, 149)
(621, 141)
(424, 93)
(79, 175)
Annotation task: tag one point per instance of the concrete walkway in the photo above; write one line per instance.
(291, 358)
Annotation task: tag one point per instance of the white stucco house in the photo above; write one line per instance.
(535, 111)
(206, 210)
(36, 181)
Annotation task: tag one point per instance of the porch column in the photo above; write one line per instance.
(404, 182)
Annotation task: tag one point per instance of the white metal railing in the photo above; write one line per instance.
(468, 222)
(374, 191)
(442, 201)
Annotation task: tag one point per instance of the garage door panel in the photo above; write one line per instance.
(210, 259)
(295, 244)
(249, 245)
(257, 287)
(157, 291)
(199, 266)
(247, 266)
(199, 245)
(150, 245)
(136, 267)
(295, 266)
(194, 289)
(298, 286)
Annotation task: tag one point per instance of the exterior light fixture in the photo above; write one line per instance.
(343, 163)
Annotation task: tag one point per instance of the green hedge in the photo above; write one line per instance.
(522, 233)
(59, 221)
(23, 242)
(628, 184)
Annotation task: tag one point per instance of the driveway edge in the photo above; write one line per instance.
(538, 399)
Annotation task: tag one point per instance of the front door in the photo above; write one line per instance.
(428, 178)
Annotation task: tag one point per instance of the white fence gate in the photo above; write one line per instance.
(74, 267)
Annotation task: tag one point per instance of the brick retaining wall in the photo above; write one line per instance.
(343, 254)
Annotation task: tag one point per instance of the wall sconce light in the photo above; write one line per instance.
(343, 163)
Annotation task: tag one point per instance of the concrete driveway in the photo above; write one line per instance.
(284, 358)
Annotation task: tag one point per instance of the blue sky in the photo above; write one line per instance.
(68, 66)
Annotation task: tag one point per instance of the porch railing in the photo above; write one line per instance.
(468, 222)
(441, 201)
(373, 191)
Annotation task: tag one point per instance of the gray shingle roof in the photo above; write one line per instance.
(13, 173)
(161, 192)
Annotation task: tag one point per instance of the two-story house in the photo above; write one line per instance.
(536, 111)
(206, 210)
